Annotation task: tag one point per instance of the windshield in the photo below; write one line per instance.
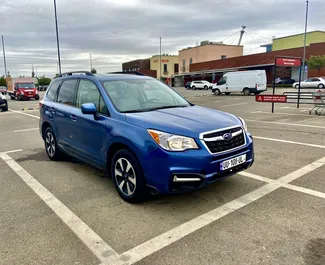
(142, 95)
(25, 85)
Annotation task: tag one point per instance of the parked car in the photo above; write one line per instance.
(245, 82)
(141, 133)
(201, 84)
(3, 103)
(284, 80)
(314, 82)
(188, 85)
(3, 90)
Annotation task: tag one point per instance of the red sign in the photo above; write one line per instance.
(271, 98)
(288, 62)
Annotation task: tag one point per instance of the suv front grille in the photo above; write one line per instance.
(216, 144)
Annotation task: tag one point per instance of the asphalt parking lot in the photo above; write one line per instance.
(68, 213)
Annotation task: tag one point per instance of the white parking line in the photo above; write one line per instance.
(283, 113)
(147, 248)
(232, 105)
(287, 124)
(97, 245)
(26, 130)
(289, 142)
(20, 112)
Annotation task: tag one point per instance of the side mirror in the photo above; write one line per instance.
(90, 108)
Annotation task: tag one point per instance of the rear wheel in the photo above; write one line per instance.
(297, 86)
(128, 177)
(193, 87)
(247, 91)
(51, 147)
(12, 97)
(321, 86)
(206, 87)
(5, 108)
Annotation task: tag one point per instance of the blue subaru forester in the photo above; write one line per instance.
(141, 133)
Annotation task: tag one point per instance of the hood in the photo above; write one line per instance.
(190, 121)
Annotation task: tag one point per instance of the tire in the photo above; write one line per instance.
(217, 92)
(193, 87)
(206, 87)
(297, 86)
(321, 86)
(20, 98)
(5, 108)
(51, 147)
(246, 91)
(37, 97)
(12, 98)
(133, 189)
(227, 93)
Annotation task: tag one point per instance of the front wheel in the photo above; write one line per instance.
(206, 87)
(128, 177)
(193, 87)
(51, 146)
(217, 92)
(297, 86)
(37, 97)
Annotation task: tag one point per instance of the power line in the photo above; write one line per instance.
(231, 35)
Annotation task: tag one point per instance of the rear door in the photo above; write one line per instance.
(90, 136)
(62, 109)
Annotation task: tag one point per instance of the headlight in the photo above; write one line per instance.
(22, 92)
(172, 142)
(244, 123)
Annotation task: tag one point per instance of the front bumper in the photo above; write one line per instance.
(176, 172)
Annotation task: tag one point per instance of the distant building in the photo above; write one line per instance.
(140, 65)
(207, 51)
(295, 41)
(169, 65)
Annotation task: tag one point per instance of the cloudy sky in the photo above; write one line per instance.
(114, 31)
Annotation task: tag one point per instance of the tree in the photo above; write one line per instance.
(3, 81)
(93, 71)
(44, 81)
(316, 62)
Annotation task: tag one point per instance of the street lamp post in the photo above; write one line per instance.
(57, 36)
(90, 61)
(4, 56)
(160, 57)
(305, 39)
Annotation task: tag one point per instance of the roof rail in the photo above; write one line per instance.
(77, 72)
(128, 73)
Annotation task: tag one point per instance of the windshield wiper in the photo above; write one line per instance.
(156, 108)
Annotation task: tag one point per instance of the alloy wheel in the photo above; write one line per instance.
(50, 144)
(125, 176)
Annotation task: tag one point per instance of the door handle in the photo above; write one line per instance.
(73, 117)
(52, 109)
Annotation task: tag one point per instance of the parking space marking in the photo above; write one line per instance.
(287, 124)
(97, 245)
(23, 113)
(289, 142)
(232, 105)
(147, 248)
(284, 113)
(26, 130)
(11, 151)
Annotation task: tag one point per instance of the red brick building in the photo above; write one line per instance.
(213, 70)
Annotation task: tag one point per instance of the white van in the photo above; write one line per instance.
(245, 82)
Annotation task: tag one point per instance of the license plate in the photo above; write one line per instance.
(233, 162)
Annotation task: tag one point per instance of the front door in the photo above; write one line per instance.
(90, 136)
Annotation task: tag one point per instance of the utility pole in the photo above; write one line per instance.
(305, 40)
(57, 36)
(160, 57)
(4, 55)
(91, 64)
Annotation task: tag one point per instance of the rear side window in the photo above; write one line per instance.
(67, 92)
(51, 95)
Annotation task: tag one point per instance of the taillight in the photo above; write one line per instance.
(40, 104)
(256, 85)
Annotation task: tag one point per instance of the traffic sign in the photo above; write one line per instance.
(271, 98)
